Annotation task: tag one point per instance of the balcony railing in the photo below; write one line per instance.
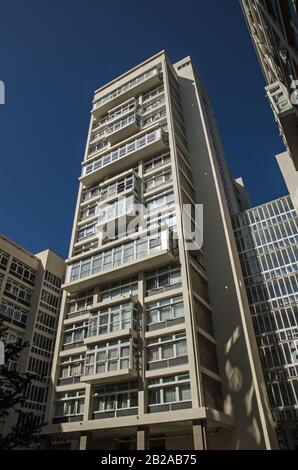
(132, 147)
(279, 98)
(100, 106)
(131, 106)
(123, 260)
(104, 362)
(120, 255)
(96, 328)
(132, 120)
(13, 315)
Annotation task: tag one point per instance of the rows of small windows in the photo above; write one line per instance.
(121, 399)
(153, 93)
(162, 279)
(49, 301)
(120, 111)
(111, 356)
(114, 318)
(53, 281)
(125, 149)
(283, 287)
(164, 351)
(87, 230)
(75, 334)
(280, 319)
(270, 304)
(277, 355)
(85, 247)
(271, 265)
(18, 292)
(22, 271)
(4, 257)
(285, 414)
(157, 280)
(262, 241)
(69, 404)
(279, 374)
(131, 84)
(1, 279)
(278, 337)
(125, 253)
(154, 117)
(126, 205)
(167, 217)
(113, 189)
(122, 288)
(157, 161)
(46, 322)
(283, 394)
(115, 399)
(167, 351)
(42, 345)
(272, 213)
(158, 200)
(40, 368)
(13, 314)
(118, 208)
(36, 397)
(119, 186)
(164, 312)
(154, 104)
(122, 316)
(163, 177)
(170, 390)
(80, 303)
(71, 368)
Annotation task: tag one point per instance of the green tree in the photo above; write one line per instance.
(13, 387)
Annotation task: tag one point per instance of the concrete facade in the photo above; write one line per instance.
(155, 344)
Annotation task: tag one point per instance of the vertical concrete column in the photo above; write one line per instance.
(199, 435)
(143, 438)
(88, 400)
(84, 441)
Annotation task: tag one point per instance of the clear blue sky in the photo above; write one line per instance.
(54, 53)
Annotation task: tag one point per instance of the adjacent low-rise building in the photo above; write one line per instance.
(30, 298)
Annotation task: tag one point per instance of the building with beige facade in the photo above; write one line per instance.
(273, 25)
(155, 346)
(30, 297)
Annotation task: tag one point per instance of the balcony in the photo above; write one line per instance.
(112, 361)
(118, 131)
(123, 129)
(152, 142)
(286, 115)
(112, 322)
(134, 87)
(137, 255)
